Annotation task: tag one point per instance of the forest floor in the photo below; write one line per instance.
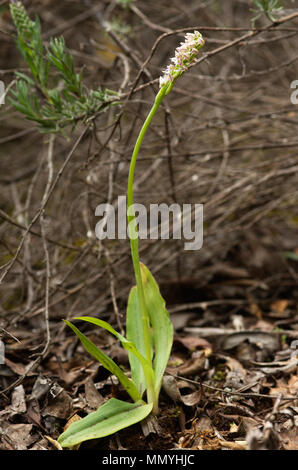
(227, 138)
(230, 384)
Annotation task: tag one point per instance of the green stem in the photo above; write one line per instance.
(134, 244)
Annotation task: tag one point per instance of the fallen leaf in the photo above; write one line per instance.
(33, 412)
(266, 439)
(262, 339)
(193, 342)
(293, 385)
(279, 306)
(59, 406)
(255, 310)
(290, 439)
(235, 366)
(18, 402)
(20, 435)
(18, 368)
(193, 365)
(285, 387)
(41, 445)
(40, 388)
(172, 388)
(93, 397)
(71, 420)
(192, 399)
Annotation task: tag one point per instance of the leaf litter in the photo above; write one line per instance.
(214, 396)
(231, 381)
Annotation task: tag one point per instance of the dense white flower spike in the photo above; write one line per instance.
(185, 55)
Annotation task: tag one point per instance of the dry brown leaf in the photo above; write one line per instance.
(262, 339)
(234, 428)
(93, 397)
(172, 388)
(19, 368)
(40, 388)
(285, 387)
(33, 412)
(255, 310)
(71, 420)
(263, 325)
(66, 371)
(191, 366)
(293, 385)
(19, 435)
(18, 402)
(192, 399)
(150, 426)
(235, 366)
(279, 306)
(193, 342)
(59, 407)
(290, 439)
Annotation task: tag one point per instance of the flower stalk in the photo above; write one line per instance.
(185, 56)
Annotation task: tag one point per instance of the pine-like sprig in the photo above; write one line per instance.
(68, 100)
(25, 27)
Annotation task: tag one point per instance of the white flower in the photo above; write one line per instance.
(185, 55)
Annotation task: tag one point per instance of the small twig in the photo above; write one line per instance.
(45, 245)
(118, 315)
(43, 205)
(227, 392)
(42, 354)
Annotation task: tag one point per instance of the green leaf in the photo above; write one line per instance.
(127, 344)
(161, 324)
(134, 333)
(25, 78)
(162, 336)
(108, 419)
(291, 255)
(107, 362)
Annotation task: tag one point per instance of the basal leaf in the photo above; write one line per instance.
(134, 333)
(161, 324)
(128, 345)
(107, 362)
(108, 419)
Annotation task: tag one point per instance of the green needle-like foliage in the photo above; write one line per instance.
(266, 7)
(55, 101)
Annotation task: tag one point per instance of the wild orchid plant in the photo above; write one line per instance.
(149, 331)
